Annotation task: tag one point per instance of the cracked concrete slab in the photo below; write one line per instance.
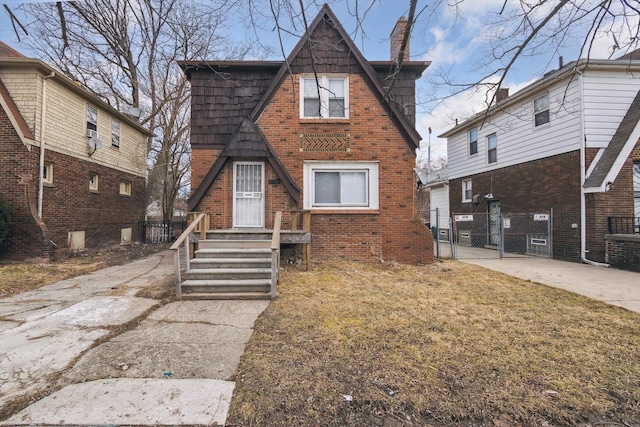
(170, 369)
(133, 402)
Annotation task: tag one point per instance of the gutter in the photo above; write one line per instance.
(583, 163)
(42, 134)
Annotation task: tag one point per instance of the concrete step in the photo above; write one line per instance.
(226, 286)
(242, 244)
(233, 253)
(209, 263)
(229, 273)
(227, 296)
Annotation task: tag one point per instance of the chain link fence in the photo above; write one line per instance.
(499, 235)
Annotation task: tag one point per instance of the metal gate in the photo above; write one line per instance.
(498, 235)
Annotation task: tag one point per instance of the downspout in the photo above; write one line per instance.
(42, 134)
(583, 168)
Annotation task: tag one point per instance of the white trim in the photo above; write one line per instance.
(373, 180)
(323, 80)
(261, 195)
(469, 200)
(594, 162)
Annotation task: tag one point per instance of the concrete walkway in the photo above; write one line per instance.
(89, 351)
(615, 287)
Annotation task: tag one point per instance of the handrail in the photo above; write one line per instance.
(184, 238)
(275, 253)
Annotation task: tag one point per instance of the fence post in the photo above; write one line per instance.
(437, 236)
(501, 236)
(550, 233)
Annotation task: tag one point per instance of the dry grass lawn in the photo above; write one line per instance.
(445, 344)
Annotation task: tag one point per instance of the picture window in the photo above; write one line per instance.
(341, 185)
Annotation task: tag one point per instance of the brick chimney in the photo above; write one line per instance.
(503, 93)
(396, 40)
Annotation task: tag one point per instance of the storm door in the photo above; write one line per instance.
(248, 194)
(494, 222)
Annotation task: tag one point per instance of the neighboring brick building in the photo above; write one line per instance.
(314, 132)
(566, 143)
(73, 168)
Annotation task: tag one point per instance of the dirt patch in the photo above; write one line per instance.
(444, 344)
(16, 278)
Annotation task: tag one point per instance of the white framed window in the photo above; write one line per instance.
(47, 173)
(115, 133)
(492, 148)
(92, 118)
(93, 181)
(324, 96)
(541, 110)
(473, 141)
(467, 191)
(341, 185)
(125, 188)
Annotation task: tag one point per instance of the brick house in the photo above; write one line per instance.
(568, 142)
(314, 132)
(73, 168)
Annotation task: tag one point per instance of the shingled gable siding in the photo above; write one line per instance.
(392, 232)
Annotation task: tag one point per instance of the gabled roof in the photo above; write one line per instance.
(15, 116)
(248, 141)
(410, 133)
(254, 145)
(618, 150)
(553, 77)
(10, 58)
(7, 51)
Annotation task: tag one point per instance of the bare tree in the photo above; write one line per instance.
(520, 29)
(125, 51)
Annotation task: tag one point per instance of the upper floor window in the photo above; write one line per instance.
(47, 173)
(341, 185)
(466, 190)
(541, 110)
(324, 96)
(125, 188)
(92, 119)
(492, 148)
(473, 141)
(636, 190)
(93, 181)
(115, 133)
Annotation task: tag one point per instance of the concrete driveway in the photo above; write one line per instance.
(88, 351)
(615, 287)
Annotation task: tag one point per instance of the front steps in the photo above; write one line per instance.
(227, 268)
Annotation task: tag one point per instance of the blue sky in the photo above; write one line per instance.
(455, 43)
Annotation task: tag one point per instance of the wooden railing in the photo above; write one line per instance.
(305, 224)
(275, 253)
(198, 222)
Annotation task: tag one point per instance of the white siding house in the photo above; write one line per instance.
(567, 142)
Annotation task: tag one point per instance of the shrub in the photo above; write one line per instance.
(5, 222)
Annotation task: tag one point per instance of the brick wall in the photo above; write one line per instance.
(17, 188)
(394, 231)
(533, 187)
(68, 204)
(623, 251)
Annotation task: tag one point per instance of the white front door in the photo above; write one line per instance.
(248, 194)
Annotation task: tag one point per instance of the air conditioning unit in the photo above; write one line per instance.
(476, 198)
(92, 133)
